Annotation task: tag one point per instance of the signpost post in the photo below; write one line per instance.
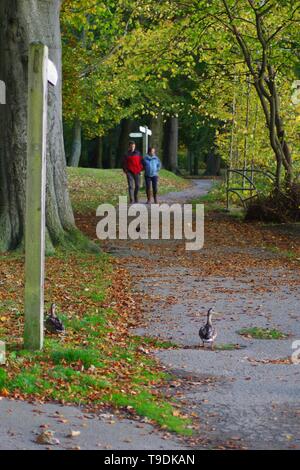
(144, 134)
(2, 101)
(40, 71)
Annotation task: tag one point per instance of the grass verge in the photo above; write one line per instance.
(227, 347)
(262, 333)
(91, 187)
(97, 362)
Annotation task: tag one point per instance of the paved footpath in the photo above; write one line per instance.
(248, 397)
(21, 423)
(242, 398)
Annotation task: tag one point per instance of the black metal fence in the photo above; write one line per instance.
(246, 183)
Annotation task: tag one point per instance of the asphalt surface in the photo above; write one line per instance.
(251, 395)
(26, 426)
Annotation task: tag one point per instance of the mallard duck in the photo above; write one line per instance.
(207, 332)
(52, 323)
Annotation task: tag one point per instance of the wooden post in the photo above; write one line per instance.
(2, 92)
(2, 353)
(35, 197)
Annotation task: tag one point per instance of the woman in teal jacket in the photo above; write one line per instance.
(152, 166)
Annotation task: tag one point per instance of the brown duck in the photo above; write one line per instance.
(207, 332)
(52, 323)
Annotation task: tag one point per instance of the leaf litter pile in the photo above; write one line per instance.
(97, 362)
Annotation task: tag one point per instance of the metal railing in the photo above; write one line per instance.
(247, 183)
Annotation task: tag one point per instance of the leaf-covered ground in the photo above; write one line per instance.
(97, 362)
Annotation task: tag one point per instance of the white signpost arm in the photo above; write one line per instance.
(35, 197)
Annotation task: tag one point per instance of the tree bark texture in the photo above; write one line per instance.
(23, 22)
(156, 139)
(76, 144)
(171, 144)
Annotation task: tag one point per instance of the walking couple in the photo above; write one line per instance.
(134, 164)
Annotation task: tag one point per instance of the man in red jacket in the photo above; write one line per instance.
(132, 166)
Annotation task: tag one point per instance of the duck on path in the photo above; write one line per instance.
(207, 332)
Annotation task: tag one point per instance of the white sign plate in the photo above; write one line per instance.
(2, 92)
(145, 130)
(135, 134)
(52, 74)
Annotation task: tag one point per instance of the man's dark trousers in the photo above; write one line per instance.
(133, 186)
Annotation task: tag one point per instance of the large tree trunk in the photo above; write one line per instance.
(76, 144)
(156, 139)
(213, 164)
(123, 141)
(99, 156)
(190, 158)
(110, 148)
(22, 22)
(196, 164)
(278, 143)
(171, 144)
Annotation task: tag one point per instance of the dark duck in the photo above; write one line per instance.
(207, 332)
(52, 323)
